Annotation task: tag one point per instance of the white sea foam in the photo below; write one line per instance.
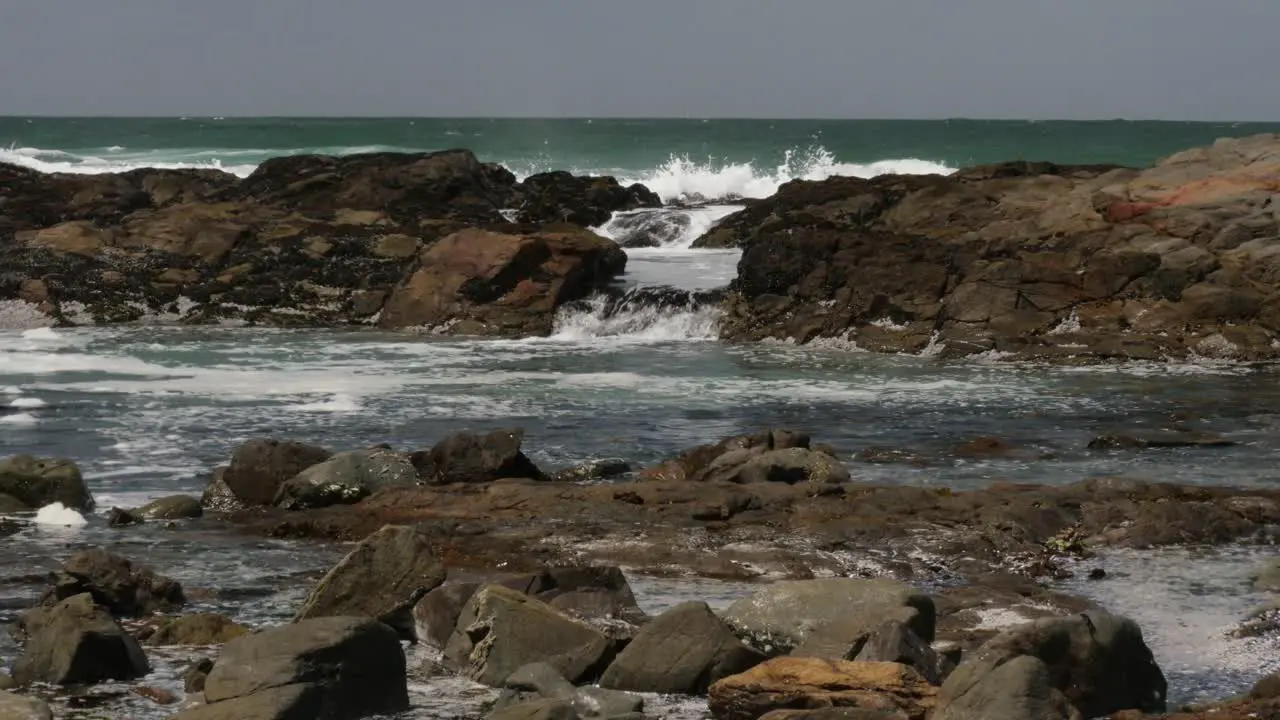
(338, 403)
(19, 419)
(645, 323)
(675, 229)
(41, 333)
(10, 390)
(27, 402)
(59, 515)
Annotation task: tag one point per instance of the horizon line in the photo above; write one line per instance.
(667, 118)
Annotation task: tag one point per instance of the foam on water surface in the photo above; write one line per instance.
(59, 515)
(27, 402)
(19, 419)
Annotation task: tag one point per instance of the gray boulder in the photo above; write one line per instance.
(436, 614)
(894, 642)
(1018, 690)
(259, 467)
(20, 707)
(337, 668)
(1100, 662)
(501, 630)
(383, 577)
(539, 688)
(115, 583)
(683, 651)
(827, 618)
(174, 507)
(75, 642)
(792, 466)
(36, 482)
(346, 478)
(468, 458)
(540, 709)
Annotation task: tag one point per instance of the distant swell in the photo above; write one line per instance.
(680, 179)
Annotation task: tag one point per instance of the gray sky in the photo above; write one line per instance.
(1175, 59)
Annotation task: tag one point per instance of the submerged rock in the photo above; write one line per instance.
(339, 667)
(75, 642)
(174, 507)
(558, 196)
(20, 707)
(383, 577)
(37, 482)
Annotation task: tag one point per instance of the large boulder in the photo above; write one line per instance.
(558, 196)
(384, 576)
(791, 466)
(21, 707)
(467, 458)
(1021, 689)
(812, 683)
(827, 618)
(342, 668)
(892, 641)
(346, 478)
(259, 467)
(682, 652)
(1100, 662)
(36, 482)
(115, 583)
(77, 642)
(501, 630)
(477, 282)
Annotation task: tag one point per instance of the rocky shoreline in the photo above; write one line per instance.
(512, 573)
(1020, 260)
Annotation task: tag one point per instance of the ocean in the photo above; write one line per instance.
(149, 410)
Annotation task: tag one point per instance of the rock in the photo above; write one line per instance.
(558, 196)
(791, 466)
(1269, 576)
(1111, 263)
(259, 467)
(542, 680)
(334, 667)
(894, 642)
(477, 282)
(385, 575)
(346, 478)
(812, 683)
(1020, 689)
(174, 507)
(467, 458)
(594, 702)
(122, 518)
(6, 682)
(1130, 441)
(217, 495)
(195, 675)
(18, 707)
(680, 652)
(197, 629)
(37, 482)
(114, 582)
(77, 642)
(1268, 688)
(1098, 661)
(156, 695)
(835, 714)
(594, 470)
(501, 630)
(827, 617)
(536, 710)
(436, 614)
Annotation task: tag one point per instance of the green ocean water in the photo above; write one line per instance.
(710, 157)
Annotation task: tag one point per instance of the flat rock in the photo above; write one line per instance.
(812, 683)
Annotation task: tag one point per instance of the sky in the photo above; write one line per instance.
(1087, 59)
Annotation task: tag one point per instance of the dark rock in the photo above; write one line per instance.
(37, 482)
(1268, 688)
(197, 629)
(826, 618)
(335, 667)
(385, 575)
(467, 458)
(682, 651)
(501, 630)
(174, 507)
(436, 614)
(1133, 441)
(1020, 689)
(1098, 661)
(217, 495)
(195, 675)
(259, 467)
(561, 197)
(77, 642)
(115, 583)
(894, 642)
(346, 478)
(117, 517)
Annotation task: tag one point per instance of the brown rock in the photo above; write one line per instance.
(812, 684)
(197, 629)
